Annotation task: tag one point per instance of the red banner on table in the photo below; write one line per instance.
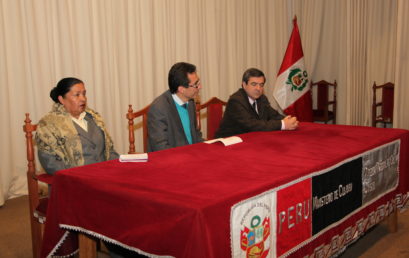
(294, 213)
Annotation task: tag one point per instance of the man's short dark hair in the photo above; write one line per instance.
(252, 72)
(178, 75)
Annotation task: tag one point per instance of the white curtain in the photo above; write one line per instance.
(123, 49)
(400, 116)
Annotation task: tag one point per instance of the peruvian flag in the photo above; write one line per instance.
(292, 89)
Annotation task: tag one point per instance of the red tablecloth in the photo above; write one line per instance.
(179, 202)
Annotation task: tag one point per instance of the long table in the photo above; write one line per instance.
(311, 191)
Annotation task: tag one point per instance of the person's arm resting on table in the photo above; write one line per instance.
(248, 122)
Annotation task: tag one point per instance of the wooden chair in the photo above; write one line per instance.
(386, 105)
(214, 108)
(322, 113)
(131, 116)
(37, 204)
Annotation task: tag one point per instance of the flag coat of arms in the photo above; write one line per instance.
(292, 89)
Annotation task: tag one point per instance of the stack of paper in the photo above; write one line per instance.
(142, 157)
(226, 141)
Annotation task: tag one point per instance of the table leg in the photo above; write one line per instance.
(392, 221)
(87, 246)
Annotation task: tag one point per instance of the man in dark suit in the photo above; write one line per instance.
(249, 110)
(172, 115)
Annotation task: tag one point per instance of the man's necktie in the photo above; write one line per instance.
(255, 106)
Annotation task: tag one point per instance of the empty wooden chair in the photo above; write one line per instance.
(382, 111)
(214, 108)
(37, 204)
(131, 116)
(323, 113)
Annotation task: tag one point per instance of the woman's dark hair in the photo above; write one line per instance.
(63, 86)
(178, 75)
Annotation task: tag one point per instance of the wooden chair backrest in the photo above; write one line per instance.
(323, 93)
(131, 116)
(214, 108)
(386, 105)
(323, 98)
(33, 195)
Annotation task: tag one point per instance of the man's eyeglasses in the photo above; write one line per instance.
(195, 85)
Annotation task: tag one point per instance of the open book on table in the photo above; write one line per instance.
(226, 141)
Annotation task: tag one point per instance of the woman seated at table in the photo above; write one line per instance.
(72, 134)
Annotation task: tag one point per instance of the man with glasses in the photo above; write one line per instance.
(172, 115)
(249, 110)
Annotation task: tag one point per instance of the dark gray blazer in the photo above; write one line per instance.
(240, 117)
(93, 148)
(165, 128)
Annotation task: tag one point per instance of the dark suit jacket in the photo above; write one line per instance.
(240, 117)
(165, 129)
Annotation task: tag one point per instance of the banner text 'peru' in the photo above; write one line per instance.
(292, 90)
